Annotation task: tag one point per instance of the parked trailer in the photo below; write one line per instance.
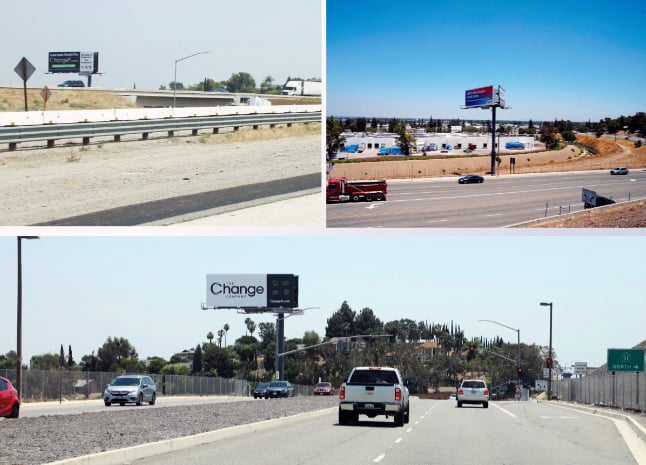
(342, 190)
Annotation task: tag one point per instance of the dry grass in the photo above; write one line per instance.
(13, 99)
(630, 215)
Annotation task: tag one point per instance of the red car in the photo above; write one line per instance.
(9, 402)
(324, 389)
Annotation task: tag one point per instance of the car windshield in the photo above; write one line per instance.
(323, 385)
(126, 382)
(278, 384)
(262, 386)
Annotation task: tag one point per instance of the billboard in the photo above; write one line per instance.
(251, 291)
(500, 97)
(73, 62)
(480, 97)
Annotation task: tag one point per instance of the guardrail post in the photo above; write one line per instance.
(13, 146)
(255, 126)
(86, 141)
(50, 143)
(236, 128)
(144, 136)
(194, 132)
(117, 137)
(171, 133)
(216, 130)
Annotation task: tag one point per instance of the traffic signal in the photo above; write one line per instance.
(472, 353)
(548, 362)
(520, 372)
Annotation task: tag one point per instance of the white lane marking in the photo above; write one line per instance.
(371, 206)
(633, 442)
(503, 410)
(398, 440)
(417, 422)
(409, 429)
(379, 458)
(438, 221)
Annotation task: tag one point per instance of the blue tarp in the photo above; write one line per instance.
(514, 145)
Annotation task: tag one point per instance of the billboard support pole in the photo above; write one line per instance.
(493, 140)
(280, 346)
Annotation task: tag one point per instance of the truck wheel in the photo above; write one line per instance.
(379, 196)
(485, 405)
(355, 198)
(407, 415)
(399, 418)
(459, 404)
(369, 197)
(343, 418)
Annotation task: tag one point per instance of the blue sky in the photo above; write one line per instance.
(79, 291)
(566, 60)
(139, 41)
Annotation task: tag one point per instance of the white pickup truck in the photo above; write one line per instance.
(374, 391)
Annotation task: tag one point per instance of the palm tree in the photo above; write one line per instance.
(220, 335)
(209, 336)
(226, 330)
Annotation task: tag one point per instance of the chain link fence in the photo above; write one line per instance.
(44, 385)
(622, 390)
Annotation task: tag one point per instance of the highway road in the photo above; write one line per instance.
(498, 202)
(527, 433)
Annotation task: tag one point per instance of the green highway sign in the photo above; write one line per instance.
(625, 360)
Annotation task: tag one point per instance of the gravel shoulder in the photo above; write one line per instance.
(40, 185)
(44, 439)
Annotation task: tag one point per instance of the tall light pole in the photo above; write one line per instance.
(549, 355)
(518, 331)
(19, 318)
(175, 77)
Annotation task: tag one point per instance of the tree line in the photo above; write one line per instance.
(429, 354)
(238, 82)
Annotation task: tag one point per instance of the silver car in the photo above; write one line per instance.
(473, 391)
(619, 170)
(130, 389)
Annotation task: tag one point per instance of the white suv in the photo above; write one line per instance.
(473, 391)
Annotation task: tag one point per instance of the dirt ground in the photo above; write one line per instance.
(40, 184)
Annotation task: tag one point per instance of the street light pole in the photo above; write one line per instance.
(517, 331)
(549, 355)
(19, 318)
(175, 76)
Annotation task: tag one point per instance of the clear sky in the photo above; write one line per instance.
(79, 291)
(139, 41)
(556, 59)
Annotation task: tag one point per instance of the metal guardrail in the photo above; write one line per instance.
(13, 135)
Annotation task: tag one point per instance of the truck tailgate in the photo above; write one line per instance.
(374, 394)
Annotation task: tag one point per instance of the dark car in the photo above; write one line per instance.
(72, 83)
(279, 389)
(260, 390)
(9, 401)
(471, 179)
